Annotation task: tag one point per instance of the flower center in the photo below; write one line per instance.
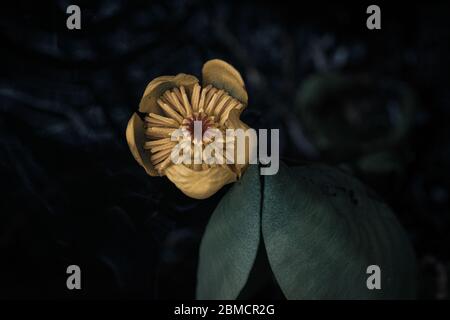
(198, 111)
(198, 124)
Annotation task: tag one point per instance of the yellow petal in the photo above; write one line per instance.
(135, 134)
(200, 184)
(224, 76)
(156, 88)
(233, 122)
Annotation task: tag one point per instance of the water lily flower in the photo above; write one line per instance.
(172, 103)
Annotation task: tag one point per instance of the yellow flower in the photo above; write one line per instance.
(173, 103)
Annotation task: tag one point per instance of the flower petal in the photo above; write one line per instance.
(200, 184)
(224, 76)
(233, 122)
(158, 86)
(135, 134)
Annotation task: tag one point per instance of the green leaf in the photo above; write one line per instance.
(230, 243)
(323, 228)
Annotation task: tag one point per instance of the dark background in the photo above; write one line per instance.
(71, 193)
